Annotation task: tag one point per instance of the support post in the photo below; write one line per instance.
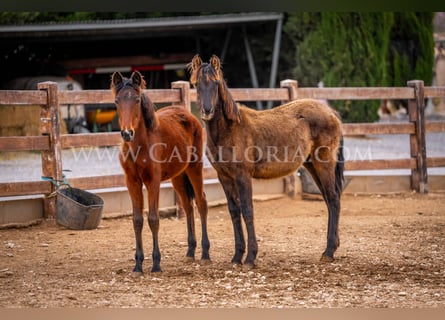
(52, 158)
(275, 56)
(184, 88)
(226, 45)
(251, 63)
(416, 110)
(292, 87)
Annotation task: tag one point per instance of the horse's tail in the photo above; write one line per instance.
(339, 169)
(189, 187)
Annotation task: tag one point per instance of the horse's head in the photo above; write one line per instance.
(211, 88)
(127, 93)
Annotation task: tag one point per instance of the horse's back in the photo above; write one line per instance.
(307, 116)
(176, 113)
(179, 119)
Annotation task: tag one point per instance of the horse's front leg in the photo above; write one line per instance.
(245, 191)
(153, 222)
(233, 202)
(135, 191)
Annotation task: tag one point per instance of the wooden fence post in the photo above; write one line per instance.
(416, 110)
(184, 88)
(52, 158)
(289, 181)
(292, 86)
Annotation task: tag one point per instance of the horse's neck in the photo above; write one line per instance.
(218, 126)
(141, 136)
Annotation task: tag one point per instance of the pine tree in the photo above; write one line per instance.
(361, 49)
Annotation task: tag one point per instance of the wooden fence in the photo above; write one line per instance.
(50, 143)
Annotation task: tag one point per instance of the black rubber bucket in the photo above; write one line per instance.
(78, 209)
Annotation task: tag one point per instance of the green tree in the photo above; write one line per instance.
(361, 49)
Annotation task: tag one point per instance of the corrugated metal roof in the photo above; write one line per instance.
(110, 27)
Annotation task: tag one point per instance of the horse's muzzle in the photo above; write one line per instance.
(127, 135)
(207, 116)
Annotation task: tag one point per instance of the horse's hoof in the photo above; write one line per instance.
(237, 265)
(189, 259)
(325, 258)
(205, 262)
(137, 274)
(249, 265)
(156, 269)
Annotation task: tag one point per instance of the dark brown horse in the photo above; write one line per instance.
(167, 144)
(243, 144)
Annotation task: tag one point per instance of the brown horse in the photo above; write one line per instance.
(243, 144)
(161, 145)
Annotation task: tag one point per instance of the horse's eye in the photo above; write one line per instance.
(138, 100)
(216, 82)
(116, 101)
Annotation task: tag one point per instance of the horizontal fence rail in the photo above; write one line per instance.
(50, 142)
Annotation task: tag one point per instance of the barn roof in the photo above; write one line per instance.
(135, 27)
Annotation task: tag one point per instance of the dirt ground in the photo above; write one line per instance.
(392, 254)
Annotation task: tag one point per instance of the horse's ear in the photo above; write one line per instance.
(193, 67)
(196, 62)
(138, 79)
(215, 63)
(116, 78)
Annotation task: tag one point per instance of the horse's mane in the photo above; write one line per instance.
(148, 112)
(147, 106)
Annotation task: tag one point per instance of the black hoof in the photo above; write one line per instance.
(326, 258)
(156, 269)
(249, 265)
(205, 261)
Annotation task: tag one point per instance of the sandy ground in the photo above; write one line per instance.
(392, 254)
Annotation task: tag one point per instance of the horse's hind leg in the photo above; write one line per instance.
(180, 185)
(195, 177)
(323, 174)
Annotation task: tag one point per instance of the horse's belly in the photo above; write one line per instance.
(172, 169)
(275, 169)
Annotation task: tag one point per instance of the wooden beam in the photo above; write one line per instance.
(435, 162)
(102, 139)
(22, 97)
(380, 164)
(28, 143)
(24, 188)
(353, 129)
(434, 92)
(356, 93)
(106, 97)
(435, 126)
(98, 182)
